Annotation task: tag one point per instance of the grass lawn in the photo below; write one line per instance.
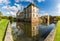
(3, 26)
(57, 36)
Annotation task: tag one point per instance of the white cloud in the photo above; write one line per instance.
(24, 0)
(9, 8)
(4, 1)
(43, 13)
(58, 8)
(57, 11)
(5, 7)
(18, 0)
(7, 13)
(12, 10)
(28, 0)
(19, 6)
(40, 0)
(12, 13)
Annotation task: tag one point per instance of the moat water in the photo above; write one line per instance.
(18, 32)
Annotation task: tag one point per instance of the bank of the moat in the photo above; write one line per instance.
(18, 31)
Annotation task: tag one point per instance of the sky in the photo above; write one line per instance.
(46, 7)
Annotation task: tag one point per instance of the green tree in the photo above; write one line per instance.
(58, 17)
(0, 15)
(5, 17)
(11, 18)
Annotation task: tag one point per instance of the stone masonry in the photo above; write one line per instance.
(8, 36)
(51, 36)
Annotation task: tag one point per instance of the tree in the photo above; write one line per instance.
(0, 15)
(58, 17)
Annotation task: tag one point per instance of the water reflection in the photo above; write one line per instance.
(45, 30)
(25, 31)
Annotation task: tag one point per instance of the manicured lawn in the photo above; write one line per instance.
(3, 27)
(57, 36)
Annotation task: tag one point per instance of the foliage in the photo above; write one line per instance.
(57, 36)
(0, 15)
(58, 17)
(3, 26)
(12, 19)
(44, 20)
(9, 18)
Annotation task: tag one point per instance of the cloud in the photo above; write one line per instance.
(4, 1)
(7, 13)
(57, 11)
(24, 0)
(40, 0)
(12, 10)
(28, 0)
(19, 6)
(5, 7)
(58, 8)
(43, 13)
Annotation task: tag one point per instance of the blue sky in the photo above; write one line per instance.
(46, 7)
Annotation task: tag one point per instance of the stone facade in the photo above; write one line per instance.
(30, 13)
(20, 16)
(31, 29)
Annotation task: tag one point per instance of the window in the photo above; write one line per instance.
(33, 28)
(33, 10)
(37, 15)
(33, 33)
(33, 15)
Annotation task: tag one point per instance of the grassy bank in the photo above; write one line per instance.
(3, 27)
(57, 36)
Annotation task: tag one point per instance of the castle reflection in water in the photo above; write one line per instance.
(28, 31)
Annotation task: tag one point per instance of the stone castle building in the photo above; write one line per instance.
(30, 13)
(47, 19)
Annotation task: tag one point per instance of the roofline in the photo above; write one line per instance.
(30, 5)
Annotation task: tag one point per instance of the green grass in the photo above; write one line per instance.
(57, 36)
(3, 26)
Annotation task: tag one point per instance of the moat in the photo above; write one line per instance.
(19, 35)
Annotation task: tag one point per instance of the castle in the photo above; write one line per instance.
(30, 13)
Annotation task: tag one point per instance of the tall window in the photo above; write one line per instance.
(33, 15)
(33, 10)
(37, 15)
(33, 28)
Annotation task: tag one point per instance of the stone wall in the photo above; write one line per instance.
(8, 36)
(51, 36)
